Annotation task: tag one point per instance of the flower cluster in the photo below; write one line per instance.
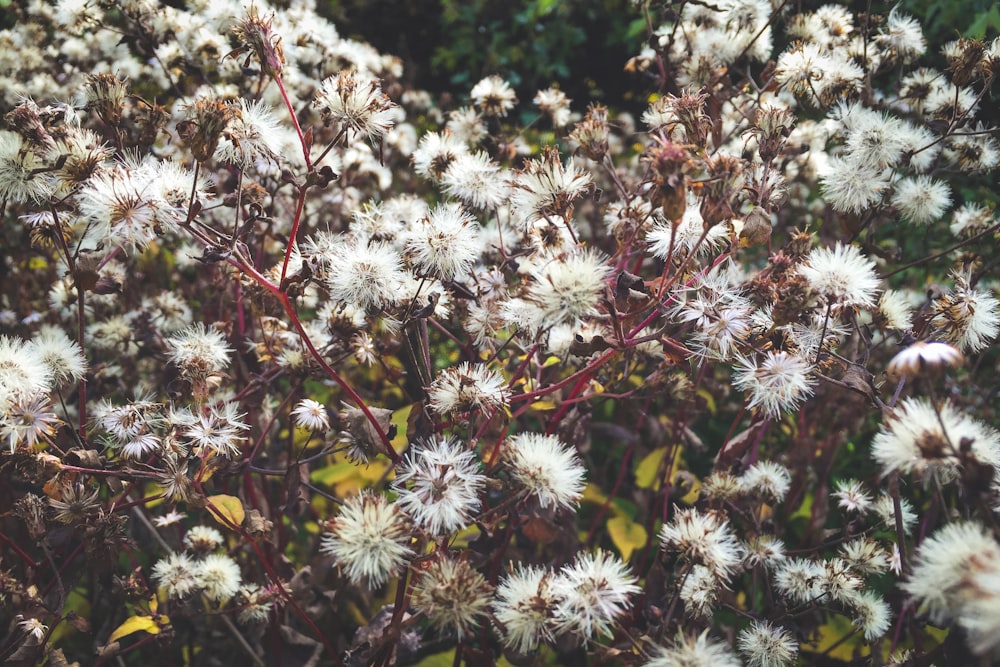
(671, 388)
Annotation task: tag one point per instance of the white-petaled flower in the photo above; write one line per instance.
(453, 596)
(547, 468)
(33, 628)
(895, 309)
(901, 38)
(252, 134)
(219, 430)
(766, 479)
(699, 592)
(779, 382)
(493, 96)
(970, 219)
(255, 604)
(705, 538)
(554, 103)
(923, 357)
(865, 555)
(28, 421)
(665, 238)
(365, 275)
(176, 575)
(438, 485)
(311, 415)
(946, 565)
(872, 613)
(885, 509)
(168, 519)
(966, 316)
(933, 442)
(356, 101)
(466, 125)
(921, 200)
(369, 539)
(523, 605)
(445, 243)
(476, 180)
(62, 355)
(565, 291)
(218, 576)
(700, 651)
(202, 539)
(23, 372)
(468, 387)
(800, 580)
(766, 645)
(764, 550)
(199, 351)
(852, 497)
(842, 276)
(546, 188)
(22, 171)
(435, 153)
(850, 187)
(592, 593)
(141, 445)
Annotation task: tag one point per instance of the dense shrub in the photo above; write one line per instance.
(302, 364)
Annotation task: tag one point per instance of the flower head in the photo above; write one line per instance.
(592, 593)
(842, 276)
(369, 538)
(454, 596)
(704, 538)
(438, 485)
(493, 96)
(357, 102)
(764, 645)
(548, 469)
(468, 387)
(780, 381)
(524, 604)
(218, 576)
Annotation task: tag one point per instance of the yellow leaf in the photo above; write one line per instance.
(627, 535)
(649, 473)
(596, 387)
(543, 405)
(709, 400)
(228, 510)
(134, 624)
(645, 472)
(332, 474)
(400, 418)
(550, 361)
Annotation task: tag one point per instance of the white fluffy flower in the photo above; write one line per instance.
(438, 485)
(842, 275)
(218, 576)
(779, 382)
(369, 539)
(548, 469)
(704, 538)
(523, 605)
(592, 593)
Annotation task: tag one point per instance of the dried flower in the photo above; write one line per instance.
(550, 471)
(369, 538)
(438, 485)
(453, 596)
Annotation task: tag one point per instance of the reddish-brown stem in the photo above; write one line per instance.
(28, 559)
(295, 120)
(299, 205)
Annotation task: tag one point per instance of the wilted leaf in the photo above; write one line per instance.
(229, 510)
(135, 624)
(626, 535)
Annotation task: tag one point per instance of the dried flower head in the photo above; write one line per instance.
(524, 605)
(591, 594)
(438, 485)
(549, 470)
(453, 596)
(357, 103)
(369, 538)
